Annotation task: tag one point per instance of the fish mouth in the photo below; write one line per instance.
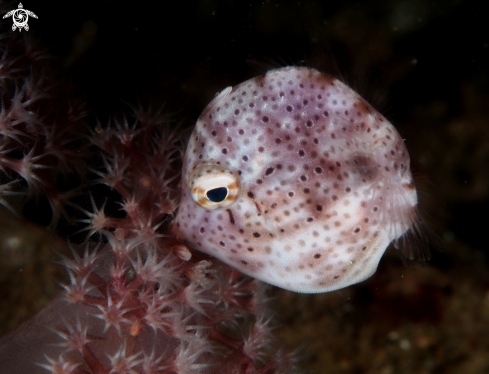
(174, 230)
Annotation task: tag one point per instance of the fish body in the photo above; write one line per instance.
(293, 178)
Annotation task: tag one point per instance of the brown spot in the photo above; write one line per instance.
(259, 81)
(231, 217)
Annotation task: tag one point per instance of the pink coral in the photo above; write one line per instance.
(137, 300)
(42, 137)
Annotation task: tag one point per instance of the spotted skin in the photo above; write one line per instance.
(323, 180)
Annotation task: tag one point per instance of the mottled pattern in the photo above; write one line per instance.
(323, 182)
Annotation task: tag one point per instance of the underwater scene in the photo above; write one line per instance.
(244, 187)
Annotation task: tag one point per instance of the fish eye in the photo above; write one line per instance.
(218, 194)
(213, 188)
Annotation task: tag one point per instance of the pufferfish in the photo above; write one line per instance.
(294, 179)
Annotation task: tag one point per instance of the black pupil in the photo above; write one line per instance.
(216, 195)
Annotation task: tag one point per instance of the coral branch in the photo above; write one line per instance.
(136, 300)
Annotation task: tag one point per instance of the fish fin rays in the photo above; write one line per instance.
(411, 235)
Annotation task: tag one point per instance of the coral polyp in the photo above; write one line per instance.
(135, 299)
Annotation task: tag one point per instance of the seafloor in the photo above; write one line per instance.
(423, 64)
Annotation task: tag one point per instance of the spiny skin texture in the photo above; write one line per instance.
(323, 182)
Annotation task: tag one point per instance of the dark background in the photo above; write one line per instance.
(423, 64)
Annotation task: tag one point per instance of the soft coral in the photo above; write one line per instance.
(137, 300)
